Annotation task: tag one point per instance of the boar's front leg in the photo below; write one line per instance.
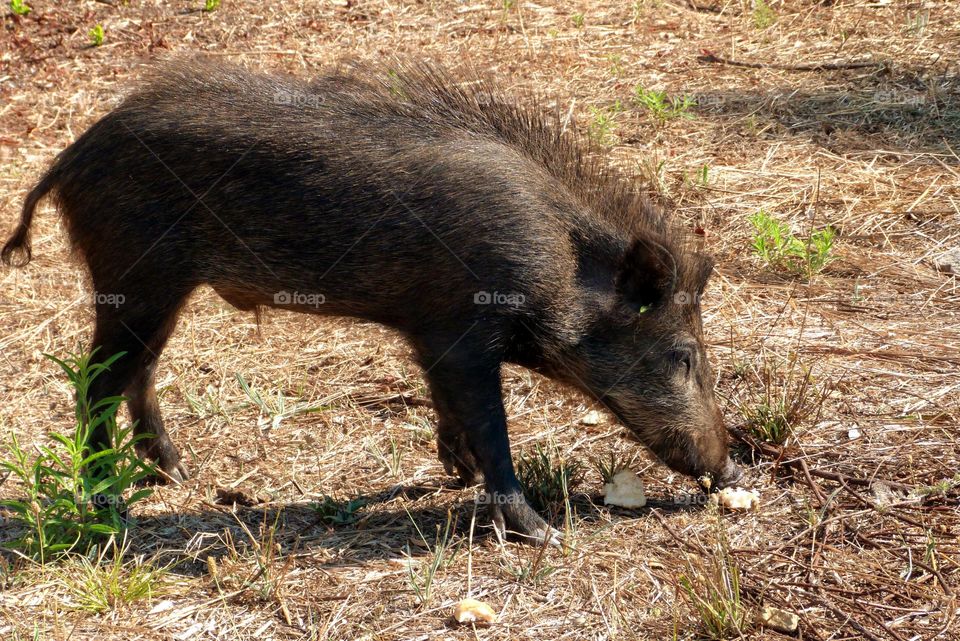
(466, 393)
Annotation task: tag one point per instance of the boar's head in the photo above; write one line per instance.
(643, 356)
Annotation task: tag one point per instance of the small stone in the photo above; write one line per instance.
(473, 611)
(591, 418)
(949, 262)
(884, 495)
(163, 606)
(625, 489)
(853, 433)
(779, 620)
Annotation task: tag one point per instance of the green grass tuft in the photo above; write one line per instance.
(790, 397)
(106, 585)
(547, 479)
(764, 16)
(712, 588)
(333, 512)
(776, 246)
(662, 106)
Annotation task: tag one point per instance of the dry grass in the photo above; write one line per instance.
(870, 150)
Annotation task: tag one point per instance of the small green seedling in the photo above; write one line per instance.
(607, 468)
(333, 512)
(616, 65)
(600, 129)
(578, 20)
(19, 7)
(211, 5)
(441, 554)
(763, 15)
(662, 106)
(546, 478)
(96, 35)
(777, 247)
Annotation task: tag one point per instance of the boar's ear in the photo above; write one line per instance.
(648, 273)
(704, 268)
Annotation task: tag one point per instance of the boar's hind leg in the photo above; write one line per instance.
(466, 392)
(145, 411)
(139, 325)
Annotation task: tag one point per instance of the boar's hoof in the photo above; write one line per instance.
(169, 469)
(176, 473)
(458, 460)
(519, 520)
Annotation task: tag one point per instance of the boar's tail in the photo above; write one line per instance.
(17, 251)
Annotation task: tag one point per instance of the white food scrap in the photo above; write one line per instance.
(473, 611)
(625, 489)
(736, 498)
(591, 418)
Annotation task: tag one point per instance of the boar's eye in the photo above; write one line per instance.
(682, 357)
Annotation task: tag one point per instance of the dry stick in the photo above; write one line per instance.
(709, 56)
(862, 499)
(778, 453)
(843, 478)
(818, 492)
(843, 615)
(687, 544)
(866, 539)
(879, 621)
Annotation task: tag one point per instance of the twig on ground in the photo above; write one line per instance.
(708, 56)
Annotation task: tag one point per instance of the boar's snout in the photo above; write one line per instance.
(730, 475)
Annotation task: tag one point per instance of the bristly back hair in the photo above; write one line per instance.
(473, 103)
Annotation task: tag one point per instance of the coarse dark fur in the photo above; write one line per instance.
(406, 196)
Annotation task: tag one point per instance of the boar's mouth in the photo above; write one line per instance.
(635, 432)
(731, 475)
(728, 477)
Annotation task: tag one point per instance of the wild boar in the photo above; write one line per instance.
(405, 195)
